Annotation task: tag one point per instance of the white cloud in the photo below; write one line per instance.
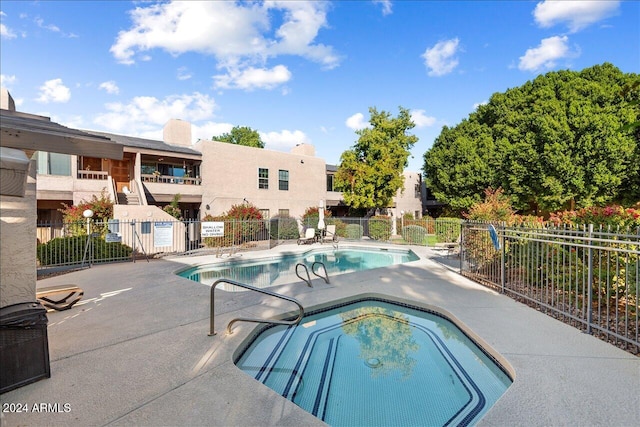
(386, 6)
(577, 14)
(356, 122)
(253, 78)
(110, 87)
(40, 23)
(440, 59)
(420, 119)
(477, 104)
(284, 140)
(183, 73)
(208, 130)
(6, 32)
(546, 54)
(239, 35)
(54, 91)
(147, 114)
(6, 80)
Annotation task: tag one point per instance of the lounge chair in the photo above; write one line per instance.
(309, 236)
(330, 234)
(59, 297)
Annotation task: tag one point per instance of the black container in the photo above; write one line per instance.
(24, 345)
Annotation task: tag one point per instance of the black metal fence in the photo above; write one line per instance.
(587, 277)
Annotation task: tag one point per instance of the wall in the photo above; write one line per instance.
(18, 244)
(230, 174)
(406, 199)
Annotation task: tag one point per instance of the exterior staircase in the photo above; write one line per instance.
(128, 199)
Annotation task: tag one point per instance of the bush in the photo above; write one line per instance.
(414, 234)
(447, 229)
(71, 250)
(353, 231)
(311, 217)
(380, 227)
(284, 228)
(243, 223)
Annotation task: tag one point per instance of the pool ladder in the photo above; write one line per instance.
(212, 329)
(313, 270)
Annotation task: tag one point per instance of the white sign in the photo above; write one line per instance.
(162, 234)
(212, 229)
(113, 238)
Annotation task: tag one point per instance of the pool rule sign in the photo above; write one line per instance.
(212, 229)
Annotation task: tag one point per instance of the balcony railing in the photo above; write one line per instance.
(168, 179)
(100, 175)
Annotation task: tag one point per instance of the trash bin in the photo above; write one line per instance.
(24, 346)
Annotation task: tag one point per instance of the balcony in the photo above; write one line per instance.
(89, 174)
(167, 179)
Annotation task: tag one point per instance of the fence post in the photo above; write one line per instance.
(503, 257)
(462, 248)
(590, 280)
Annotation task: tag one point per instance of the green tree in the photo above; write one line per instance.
(552, 143)
(241, 135)
(370, 173)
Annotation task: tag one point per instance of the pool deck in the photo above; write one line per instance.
(136, 350)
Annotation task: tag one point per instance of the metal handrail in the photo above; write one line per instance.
(326, 274)
(308, 279)
(212, 329)
(313, 270)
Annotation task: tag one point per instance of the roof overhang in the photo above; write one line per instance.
(32, 133)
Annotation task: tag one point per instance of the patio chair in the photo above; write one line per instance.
(59, 298)
(309, 236)
(330, 234)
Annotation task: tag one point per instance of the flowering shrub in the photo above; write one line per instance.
(613, 216)
(311, 217)
(242, 223)
(73, 218)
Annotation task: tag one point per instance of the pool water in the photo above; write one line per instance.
(272, 271)
(377, 363)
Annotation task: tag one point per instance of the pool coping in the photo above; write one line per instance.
(136, 352)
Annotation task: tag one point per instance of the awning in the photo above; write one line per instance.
(32, 133)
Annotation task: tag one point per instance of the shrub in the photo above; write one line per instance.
(311, 217)
(353, 231)
(447, 229)
(173, 208)
(284, 228)
(242, 223)
(613, 216)
(380, 227)
(414, 234)
(76, 223)
(71, 250)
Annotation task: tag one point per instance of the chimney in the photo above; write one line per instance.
(177, 132)
(6, 101)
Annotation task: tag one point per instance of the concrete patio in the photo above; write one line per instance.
(136, 350)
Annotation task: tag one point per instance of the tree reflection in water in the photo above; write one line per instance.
(385, 338)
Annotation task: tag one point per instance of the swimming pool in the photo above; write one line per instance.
(374, 362)
(265, 272)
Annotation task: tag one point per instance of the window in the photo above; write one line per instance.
(330, 183)
(145, 227)
(53, 163)
(283, 213)
(263, 178)
(417, 191)
(283, 180)
(264, 213)
(148, 168)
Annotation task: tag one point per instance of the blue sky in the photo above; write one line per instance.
(295, 71)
